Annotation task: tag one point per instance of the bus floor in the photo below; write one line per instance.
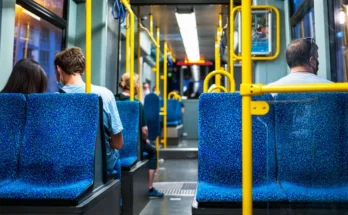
(177, 179)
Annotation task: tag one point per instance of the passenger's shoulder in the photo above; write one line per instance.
(104, 92)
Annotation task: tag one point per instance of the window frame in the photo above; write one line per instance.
(49, 16)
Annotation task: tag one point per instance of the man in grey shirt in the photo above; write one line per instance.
(70, 65)
(302, 58)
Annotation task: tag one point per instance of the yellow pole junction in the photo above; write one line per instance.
(157, 61)
(88, 45)
(130, 48)
(140, 89)
(164, 110)
(246, 111)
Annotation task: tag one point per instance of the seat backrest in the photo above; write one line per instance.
(12, 121)
(310, 137)
(152, 109)
(130, 116)
(172, 111)
(59, 139)
(219, 143)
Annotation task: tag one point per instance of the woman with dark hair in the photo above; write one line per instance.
(27, 77)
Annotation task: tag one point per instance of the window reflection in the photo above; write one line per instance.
(56, 6)
(37, 39)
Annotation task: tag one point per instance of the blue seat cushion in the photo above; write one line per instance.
(128, 161)
(22, 190)
(297, 193)
(174, 123)
(268, 192)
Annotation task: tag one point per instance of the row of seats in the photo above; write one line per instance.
(300, 149)
(50, 147)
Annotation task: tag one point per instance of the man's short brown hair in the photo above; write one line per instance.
(71, 60)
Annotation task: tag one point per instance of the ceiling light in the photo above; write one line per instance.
(188, 30)
(341, 16)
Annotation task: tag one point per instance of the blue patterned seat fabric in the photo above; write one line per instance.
(173, 112)
(219, 151)
(57, 154)
(152, 109)
(130, 115)
(312, 146)
(12, 121)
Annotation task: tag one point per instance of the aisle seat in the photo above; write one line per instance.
(219, 152)
(129, 112)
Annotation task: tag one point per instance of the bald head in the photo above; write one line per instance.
(300, 51)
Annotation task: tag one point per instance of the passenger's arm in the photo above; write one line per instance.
(144, 133)
(116, 141)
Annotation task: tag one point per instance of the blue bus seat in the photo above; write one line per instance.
(312, 146)
(173, 112)
(57, 159)
(130, 114)
(12, 118)
(152, 106)
(219, 152)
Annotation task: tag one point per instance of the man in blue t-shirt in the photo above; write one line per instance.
(70, 65)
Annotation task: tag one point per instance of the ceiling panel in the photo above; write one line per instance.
(207, 17)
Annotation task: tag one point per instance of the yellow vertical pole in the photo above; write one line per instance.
(132, 58)
(246, 110)
(139, 53)
(151, 24)
(158, 62)
(88, 45)
(217, 63)
(231, 47)
(165, 94)
(127, 44)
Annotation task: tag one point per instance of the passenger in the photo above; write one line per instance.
(151, 150)
(70, 65)
(26, 77)
(146, 90)
(302, 58)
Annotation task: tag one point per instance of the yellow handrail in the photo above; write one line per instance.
(217, 72)
(231, 47)
(131, 15)
(218, 87)
(174, 95)
(140, 90)
(88, 45)
(150, 35)
(258, 7)
(158, 62)
(151, 24)
(247, 167)
(259, 89)
(165, 94)
(217, 61)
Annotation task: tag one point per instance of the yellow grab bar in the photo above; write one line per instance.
(140, 89)
(247, 155)
(165, 94)
(218, 87)
(131, 14)
(259, 7)
(174, 95)
(259, 89)
(150, 35)
(231, 47)
(158, 61)
(88, 45)
(217, 72)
